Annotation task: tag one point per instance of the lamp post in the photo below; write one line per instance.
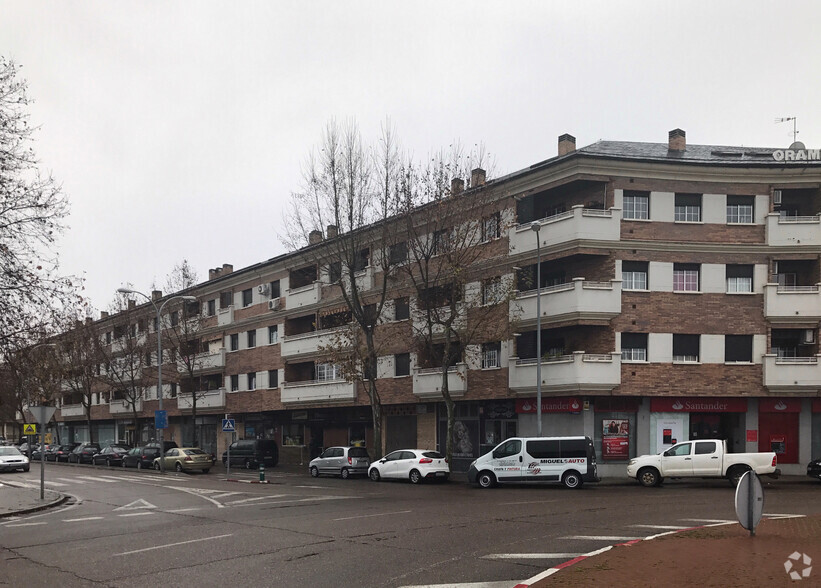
(159, 355)
(536, 226)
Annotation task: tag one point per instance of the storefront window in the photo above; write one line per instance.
(615, 436)
(356, 435)
(293, 434)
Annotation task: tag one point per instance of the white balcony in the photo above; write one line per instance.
(205, 399)
(317, 391)
(578, 299)
(793, 230)
(577, 224)
(225, 316)
(210, 361)
(72, 410)
(364, 279)
(578, 372)
(313, 342)
(792, 303)
(427, 382)
(304, 296)
(124, 406)
(792, 373)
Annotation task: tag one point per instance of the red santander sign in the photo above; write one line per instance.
(558, 404)
(698, 405)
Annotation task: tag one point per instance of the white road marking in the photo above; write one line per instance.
(199, 494)
(314, 487)
(601, 538)
(531, 555)
(96, 479)
(139, 503)
(784, 516)
(52, 483)
(505, 584)
(526, 502)
(71, 480)
(710, 520)
(175, 544)
(135, 514)
(226, 494)
(255, 498)
(183, 509)
(662, 527)
(313, 499)
(82, 519)
(380, 514)
(26, 524)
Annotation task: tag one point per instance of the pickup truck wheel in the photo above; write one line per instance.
(735, 473)
(649, 477)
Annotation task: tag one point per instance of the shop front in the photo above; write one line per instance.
(478, 427)
(778, 427)
(678, 419)
(614, 429)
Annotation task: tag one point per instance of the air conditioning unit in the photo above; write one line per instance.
(274, 304)
(808, 336)
(776, 196)
(262, 289)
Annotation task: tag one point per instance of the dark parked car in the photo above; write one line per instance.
(36, 452)
(83, 453)
(61, 452)
(141, 457)
(111, 455)
(250, 453)
(814, 469)
(166, 445)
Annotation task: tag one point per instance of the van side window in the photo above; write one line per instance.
(574, 448)
(543, 449)
(512, 447)
(705, 447)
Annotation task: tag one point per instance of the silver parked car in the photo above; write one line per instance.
(341, 461)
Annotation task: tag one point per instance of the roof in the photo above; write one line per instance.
(718, 154)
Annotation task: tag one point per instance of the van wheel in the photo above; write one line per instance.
(735, 473)
(345, 473)
(486, 480)
(374, 474)
(415, 477)
(247, 464)
(314, 472)
(572, 480)
(649, 477)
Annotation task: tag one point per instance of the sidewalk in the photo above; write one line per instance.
(18, 500)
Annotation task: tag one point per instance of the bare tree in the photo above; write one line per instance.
(32, 211)
(349, 196)
(82, 364)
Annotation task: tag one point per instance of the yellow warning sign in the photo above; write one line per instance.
(48, 439)
(29, 429)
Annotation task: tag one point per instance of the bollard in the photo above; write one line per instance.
(262, 472)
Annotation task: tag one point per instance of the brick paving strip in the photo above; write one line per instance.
(722, 555)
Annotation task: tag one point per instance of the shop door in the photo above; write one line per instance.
(779, 432)
(401, 433)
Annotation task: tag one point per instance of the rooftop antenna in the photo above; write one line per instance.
(794, 131)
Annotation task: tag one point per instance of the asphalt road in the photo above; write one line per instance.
(128, 528)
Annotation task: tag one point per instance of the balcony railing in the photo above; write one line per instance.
(304, 295)
(317, 391)
(205, 399)
(427, 382)
(792, 303)
(210, 361)
(577, 224)
(313, 342)
(225, 316)
(792, 373)
(124, 406)
(793, 230)
(578, 299)
(578, 371)
(72, 410)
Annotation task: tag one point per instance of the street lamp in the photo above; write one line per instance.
(535, 227)
(159, 354)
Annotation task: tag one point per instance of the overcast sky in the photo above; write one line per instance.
(178, 129)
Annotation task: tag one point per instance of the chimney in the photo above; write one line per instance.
(156, 295)
(103, 314)
(89, 320)
(227, 268)
(677, 140)
(332, 232)
(477, 177)
(457, 186)
(314, 237)
(132, 304)
(567, 144)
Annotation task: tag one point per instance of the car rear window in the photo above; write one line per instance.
(194, 452)
(357, 452)
(433, 454)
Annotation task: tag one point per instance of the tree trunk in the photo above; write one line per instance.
(450, 406)
(373, 395)
(88, 421)
(194, 440)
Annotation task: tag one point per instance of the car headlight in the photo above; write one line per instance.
(631, 462)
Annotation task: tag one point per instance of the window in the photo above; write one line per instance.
(362, 260)
(275, 291)
(234, 383)
(273, 335)
(739, 278)
(401, 308)
(492, 227)
(155, 323)
(147, 361)
(368, 370)
(740, 209)
(634, 346)
(292, 434)
(491, 353)
(512, 447)
(398, 253)
(679, 451)
(212, 307)
(326, 372)
(335, 272)
(108, 338)
(175, 318)
(273, 378)
(636, 206)
(738, 348)
(247, 297)
(252, 380)
(634, 275)
(226, 299)
(173, 389)
(235, 342)
(440, 241)
(705, 447)
(252, 339)
(685, 277)
(688, 208)
(492, 291)
(686, 347)
(401, 363)
(133, 330)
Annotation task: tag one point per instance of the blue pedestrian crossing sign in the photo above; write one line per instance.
(228, 426)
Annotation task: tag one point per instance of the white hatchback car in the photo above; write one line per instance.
(411, 464)
(12, 459)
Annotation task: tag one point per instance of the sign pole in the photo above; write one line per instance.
(42, 414)
(228, 454)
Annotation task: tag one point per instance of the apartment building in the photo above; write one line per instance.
(680, 299)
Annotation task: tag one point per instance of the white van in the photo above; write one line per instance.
(568, 460)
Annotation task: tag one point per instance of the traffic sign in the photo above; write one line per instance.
(29, 429)
(229, 426)
(160, 419)
(749, 501)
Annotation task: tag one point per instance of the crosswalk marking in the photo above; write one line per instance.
(25, 524)
(72, 480)
(661, 527)
(600, 538)
(531, 555)
(82, 519)
(709, 520)
(135, 514)
(98, 479)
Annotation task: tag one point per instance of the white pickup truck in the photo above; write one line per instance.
(707, 458)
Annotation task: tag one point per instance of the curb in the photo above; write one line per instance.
(62, 499)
